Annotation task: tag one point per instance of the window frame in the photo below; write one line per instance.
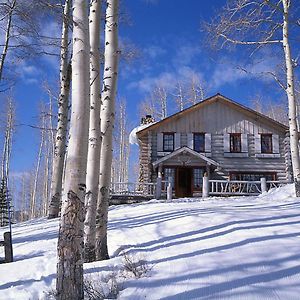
(270, 150)
(195, 187)
(202, 134)
(231, 142)
(173, 141)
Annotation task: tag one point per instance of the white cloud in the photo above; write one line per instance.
(28, 72)
(167, 80)
(229, 73)
(154, 51)
(186, 53)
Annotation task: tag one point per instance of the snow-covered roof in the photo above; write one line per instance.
(133, 140)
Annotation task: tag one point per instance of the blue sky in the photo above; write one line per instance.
(172, 46)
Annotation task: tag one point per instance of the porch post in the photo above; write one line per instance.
(205, 188)
(158, 182)
(263, 184)
(169, 189)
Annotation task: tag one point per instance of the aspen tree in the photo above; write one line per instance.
(69, 284)
(33, 201)
(62, 123)
(290, 91)
(93, 161)
(258, 23)
(111, 59)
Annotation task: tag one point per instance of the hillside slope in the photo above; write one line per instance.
(220, 248)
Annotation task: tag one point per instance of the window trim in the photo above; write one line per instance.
(240, 138)
(199, 134)
(261, 147)
(173, 137)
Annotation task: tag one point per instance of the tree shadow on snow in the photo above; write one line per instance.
(172, 240)
(154, 218)
(34, 237)
(215, 289)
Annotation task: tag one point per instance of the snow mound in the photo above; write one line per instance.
(281, 193)
(133, 137)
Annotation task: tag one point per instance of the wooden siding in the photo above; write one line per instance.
(218, 119)
(247, 164)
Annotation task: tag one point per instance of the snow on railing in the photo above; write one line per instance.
(133, 189)
(276, 183)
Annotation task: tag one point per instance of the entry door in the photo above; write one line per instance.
(183, 182)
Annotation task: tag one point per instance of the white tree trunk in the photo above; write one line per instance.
(110, 75)
(290, 91)
(93, 162)
(7, 147)
(69, 282)
(62, 124)
(33, 204)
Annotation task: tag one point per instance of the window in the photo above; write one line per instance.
(168, 142)
(266, 143)
(170, 173)
(235, 142)
(198, 178)
(199, 142)
(252, 176)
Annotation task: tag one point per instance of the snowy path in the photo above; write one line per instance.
(242, 248)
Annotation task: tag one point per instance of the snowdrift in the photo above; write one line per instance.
(220, 248)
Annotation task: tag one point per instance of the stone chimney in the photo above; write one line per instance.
(148, 119)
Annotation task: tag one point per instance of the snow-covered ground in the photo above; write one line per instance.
(219, 248)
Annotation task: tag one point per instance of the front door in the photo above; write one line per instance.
(183, 186)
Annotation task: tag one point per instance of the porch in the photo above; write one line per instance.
(126, 193)
(184, 168)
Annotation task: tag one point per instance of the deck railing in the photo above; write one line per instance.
(133, 189)
(210, 188)
(237, 187)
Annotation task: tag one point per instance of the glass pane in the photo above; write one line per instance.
(235, 143)
(170, 173)
(168, 142)
(266, 143)
(199, 142)
(198, 178)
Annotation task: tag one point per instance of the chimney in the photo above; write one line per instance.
(148, 119)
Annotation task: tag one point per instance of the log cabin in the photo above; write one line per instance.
(217, 137)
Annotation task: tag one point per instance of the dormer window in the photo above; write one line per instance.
(266, 143)
(168, 142)
(199, 142)
(235, 143)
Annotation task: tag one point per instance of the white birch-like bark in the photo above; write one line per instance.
(179, 96)
(7, 147)
(111, 59)
(290, 91)
(33, 204)
(93, 161)
(69, 284)
(62, 123)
